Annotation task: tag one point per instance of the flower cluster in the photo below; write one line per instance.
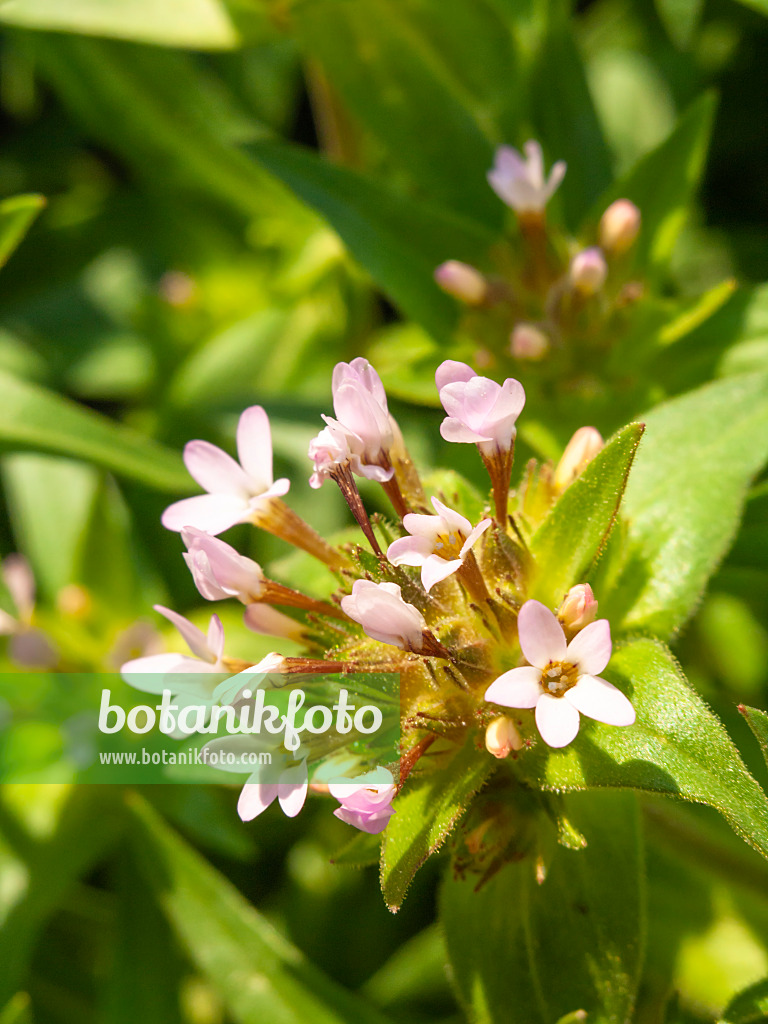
(551, 294)
(437, 594)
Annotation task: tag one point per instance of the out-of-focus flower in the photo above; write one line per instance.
(235, 490)
(502, 737)
(619, 227)
(463, 281)
(588, 271)
(263, 618)
(561, 681)
(579, 452)
(439, 543)
(155, 672)
(578, 609)
(29, 647)
(366, 802)
(529, 342)
(519, 181)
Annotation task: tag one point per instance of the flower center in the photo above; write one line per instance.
(558, 677)
(448, 545)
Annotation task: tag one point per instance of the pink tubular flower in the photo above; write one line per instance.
(207, 650)
(439, 544)
(560, 681)
(218, 570)
(235, 490)
(360, 404)
(520, 182)
(480, 411)
(365, 801)
(384, 615)
(336, 447)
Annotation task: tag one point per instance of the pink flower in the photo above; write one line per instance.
(561, 679)
(365, 801)
(462, 281)
(360, 404)
(619, 227)
(336, 447)
(149, 673)
(384, 615)
(520, 182)
(439, 544)
(235, 490)
(588, 271)
(480, 411)
(264, 619)
(218, 570)
(274, 777)
(578, 609)
(290, 790)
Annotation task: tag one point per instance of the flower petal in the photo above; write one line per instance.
(292, 789)
(255, 798)
(254, 448)
(213, 513)
(195, 639)
(410, 550)
(541, 636)
(215, 637)
(453, 430)
(518, 688)
(591, 648)
(435, 569)
(451, 371)
(214, 470)
(601, 700)
(557, 720)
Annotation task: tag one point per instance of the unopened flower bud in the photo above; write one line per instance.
(619, 227)
(501, 737)
(529, 342)
(463, 282)
(580, 450)
(578, 609)
(588, 271)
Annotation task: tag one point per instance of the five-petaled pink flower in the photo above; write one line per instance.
(519, 181)
(290, 790)
(439, 544)
(366, 802)
(218, 570)
(360, 404)
(235, 490)
(155, 672)
(380, 609)
(480, 411)
(562, 679)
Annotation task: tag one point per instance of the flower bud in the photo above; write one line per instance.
(501, 737)
(529, 342)
(619, 227)
(588, 271)
(463, 282)
(580, 450)
(578, 609)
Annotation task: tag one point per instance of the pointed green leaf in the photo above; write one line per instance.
(392, 60)
(529, 953)
(662, 183)
(16, 216)
(684, 498)
(32, 417)
(397, 240)
(571, 537)
(197, 24)
(426, 812)
(677, 747)
(758, 723)
(749, 1006)
(258, 973)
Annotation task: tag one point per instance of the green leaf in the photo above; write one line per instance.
(662, 183)
(392, 60)
(529, 953)
(571, 537)
(426, 812)
(196, 24)
(677, 747)
(758, 723)
(17, 1010)
(32, 417)
(16, 216)
(397, 240)
(565, 117)
(360, 852)
(684, 500)
(258, 973)
(749, 1006)
(681, 19)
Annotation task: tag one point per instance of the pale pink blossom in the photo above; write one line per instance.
(519, 181)
(579, 452)
(528, 341)
(588, 271)
(380, 609)
(561, 679)
(263, 618)
(151, 673)
(463, 281)
(360, 404)
(235, 490)
(275, 777)
(502, 737)
(439, 543)
(366, 801)
(218, 570)
(28, 646)
(337, 447)
(579, 608)
(619, 227)
(480, 411)
(290, 790)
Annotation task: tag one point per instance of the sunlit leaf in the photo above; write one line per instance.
(16, 216)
